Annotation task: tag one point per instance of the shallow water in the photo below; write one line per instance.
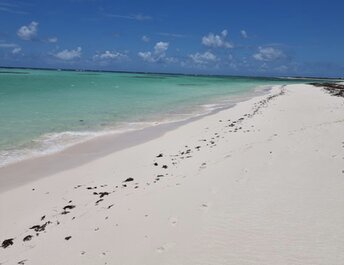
(43, 111)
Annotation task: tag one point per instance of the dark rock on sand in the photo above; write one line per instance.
(102, 194)
(40, 228)
(7, 242)
(100, 200)
(68, 237)
(333, 88)
(69, 207)
(27, 238)
(128, 180)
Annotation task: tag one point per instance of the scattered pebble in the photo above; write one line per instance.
(7, 242)
(128, 180)
(27, 238)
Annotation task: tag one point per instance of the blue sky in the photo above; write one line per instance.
(206, 37)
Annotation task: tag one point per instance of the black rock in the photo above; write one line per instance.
(40, 228)
(7, 242)
(100, 200)
(160, 155)
(128, 180)
(68, 237)
(69, 207)
(102, 194)
(27, 238)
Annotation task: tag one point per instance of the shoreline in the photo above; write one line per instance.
(259, 183)
(32, 168)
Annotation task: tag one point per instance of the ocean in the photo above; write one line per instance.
(45, 111)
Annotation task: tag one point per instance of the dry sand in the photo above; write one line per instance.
(258, 184)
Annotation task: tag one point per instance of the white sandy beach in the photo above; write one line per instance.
(261, 183)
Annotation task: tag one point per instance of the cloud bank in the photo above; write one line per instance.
(217, 41)
(68, 55)
(28, 32)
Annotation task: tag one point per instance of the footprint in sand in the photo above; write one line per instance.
(205, 206)
(165, 247)
(173, 221)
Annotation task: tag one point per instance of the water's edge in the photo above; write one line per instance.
(55, 142)
(28, 170)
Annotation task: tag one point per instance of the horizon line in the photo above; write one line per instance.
(164, 73)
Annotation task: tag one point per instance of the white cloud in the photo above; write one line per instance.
(203, 58)
(52, 40)
(15, 47)
(12, 8)
(8, 45)
(108, 55)
(141, 17)
(266, 54)
(171, 60)
(244, 34)
(69, 54)
(217, 41)
(28, 32)
(145, 38)
(158, 55)
(138, 17)
(172, 35)
(16, 50)
(161, 47)
(147, 56)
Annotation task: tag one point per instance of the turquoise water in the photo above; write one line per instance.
(44, 110)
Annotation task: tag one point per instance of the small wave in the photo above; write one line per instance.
(46, 144)
(51, 143)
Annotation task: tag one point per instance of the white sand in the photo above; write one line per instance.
(270, 193)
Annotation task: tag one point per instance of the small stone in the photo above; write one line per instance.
(7, 242)
(128, 180)
(27, 238)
